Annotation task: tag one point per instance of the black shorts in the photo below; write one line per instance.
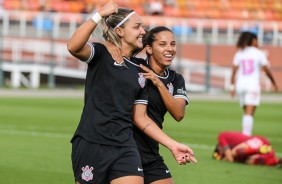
(154, 169)
(100, 164)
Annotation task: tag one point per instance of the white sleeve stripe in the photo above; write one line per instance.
(91, 54)
(141, 102)
(182, 96)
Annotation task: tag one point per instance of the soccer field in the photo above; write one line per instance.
(35, 135)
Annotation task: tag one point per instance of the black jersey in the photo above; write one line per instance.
(111, 90)
(156, 109)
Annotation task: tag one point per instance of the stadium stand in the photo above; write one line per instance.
(34, 34)
(209, 9)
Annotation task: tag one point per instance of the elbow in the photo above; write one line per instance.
(136, 121)
(179, 117)
(71, 48)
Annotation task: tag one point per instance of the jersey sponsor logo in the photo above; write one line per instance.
(181, 91)
(170, 88)
(141, 80)
(139, 169)
(166, 171)
(87, 173)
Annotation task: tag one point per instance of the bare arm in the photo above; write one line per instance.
(232, 80)
(175, 106)
(182, 153)
(270, 76)
(228, 155)
(77, 44)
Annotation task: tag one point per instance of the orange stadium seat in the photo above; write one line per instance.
(76, 6)
(34, 5)
(213, 9)
(12, 4)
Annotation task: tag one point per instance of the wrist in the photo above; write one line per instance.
(96, 17)
(232, 87)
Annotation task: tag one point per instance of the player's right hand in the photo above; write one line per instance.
(183, 154)
(108, 9)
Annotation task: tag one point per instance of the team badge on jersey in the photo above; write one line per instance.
(87, 173)
(170, 88)
(141, 80)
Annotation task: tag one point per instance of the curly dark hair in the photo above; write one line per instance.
(246, 39)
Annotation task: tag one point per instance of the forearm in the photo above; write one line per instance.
(173, 106)
(228, 155)
(269, 74)
(151, 129)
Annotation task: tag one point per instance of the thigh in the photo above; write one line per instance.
(164, 181)
(156, 171)
(241, 95)
(128, 179)
(91, 161)
(126, 165)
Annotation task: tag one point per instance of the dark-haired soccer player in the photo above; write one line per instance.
(245, 78)
(166, 93)
(237, 147)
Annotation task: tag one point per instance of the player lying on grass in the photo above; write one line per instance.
(237, 147)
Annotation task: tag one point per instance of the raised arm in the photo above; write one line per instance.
(182, 153)
(77, 44)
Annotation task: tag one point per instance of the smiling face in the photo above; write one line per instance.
(163, 49)
(131, 33)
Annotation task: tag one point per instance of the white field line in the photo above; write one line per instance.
(68, 136)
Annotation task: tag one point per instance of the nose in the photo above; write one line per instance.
(142, 31)
(169, 47)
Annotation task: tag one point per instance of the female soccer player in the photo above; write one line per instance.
(238, 147)
(103, 147)
(166, 92)
(247, 64)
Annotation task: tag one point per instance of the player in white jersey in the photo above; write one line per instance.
(247, 64)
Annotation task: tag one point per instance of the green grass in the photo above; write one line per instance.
(35, 135)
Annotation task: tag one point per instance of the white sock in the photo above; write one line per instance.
(247, 123)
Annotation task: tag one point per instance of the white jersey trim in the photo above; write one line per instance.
(166, 71)
(130, 61)
(141, 102)
(182, 96)
(92, 52)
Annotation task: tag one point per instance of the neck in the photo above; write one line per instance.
(158, 69)
(126, 51)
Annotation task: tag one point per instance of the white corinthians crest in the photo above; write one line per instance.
(170, 88)
(87, 173)
(141, 80)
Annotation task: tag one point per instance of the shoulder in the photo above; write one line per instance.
(139, 61)
(98, 45)
(176, 76)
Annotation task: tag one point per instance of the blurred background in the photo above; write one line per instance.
(34, 33)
